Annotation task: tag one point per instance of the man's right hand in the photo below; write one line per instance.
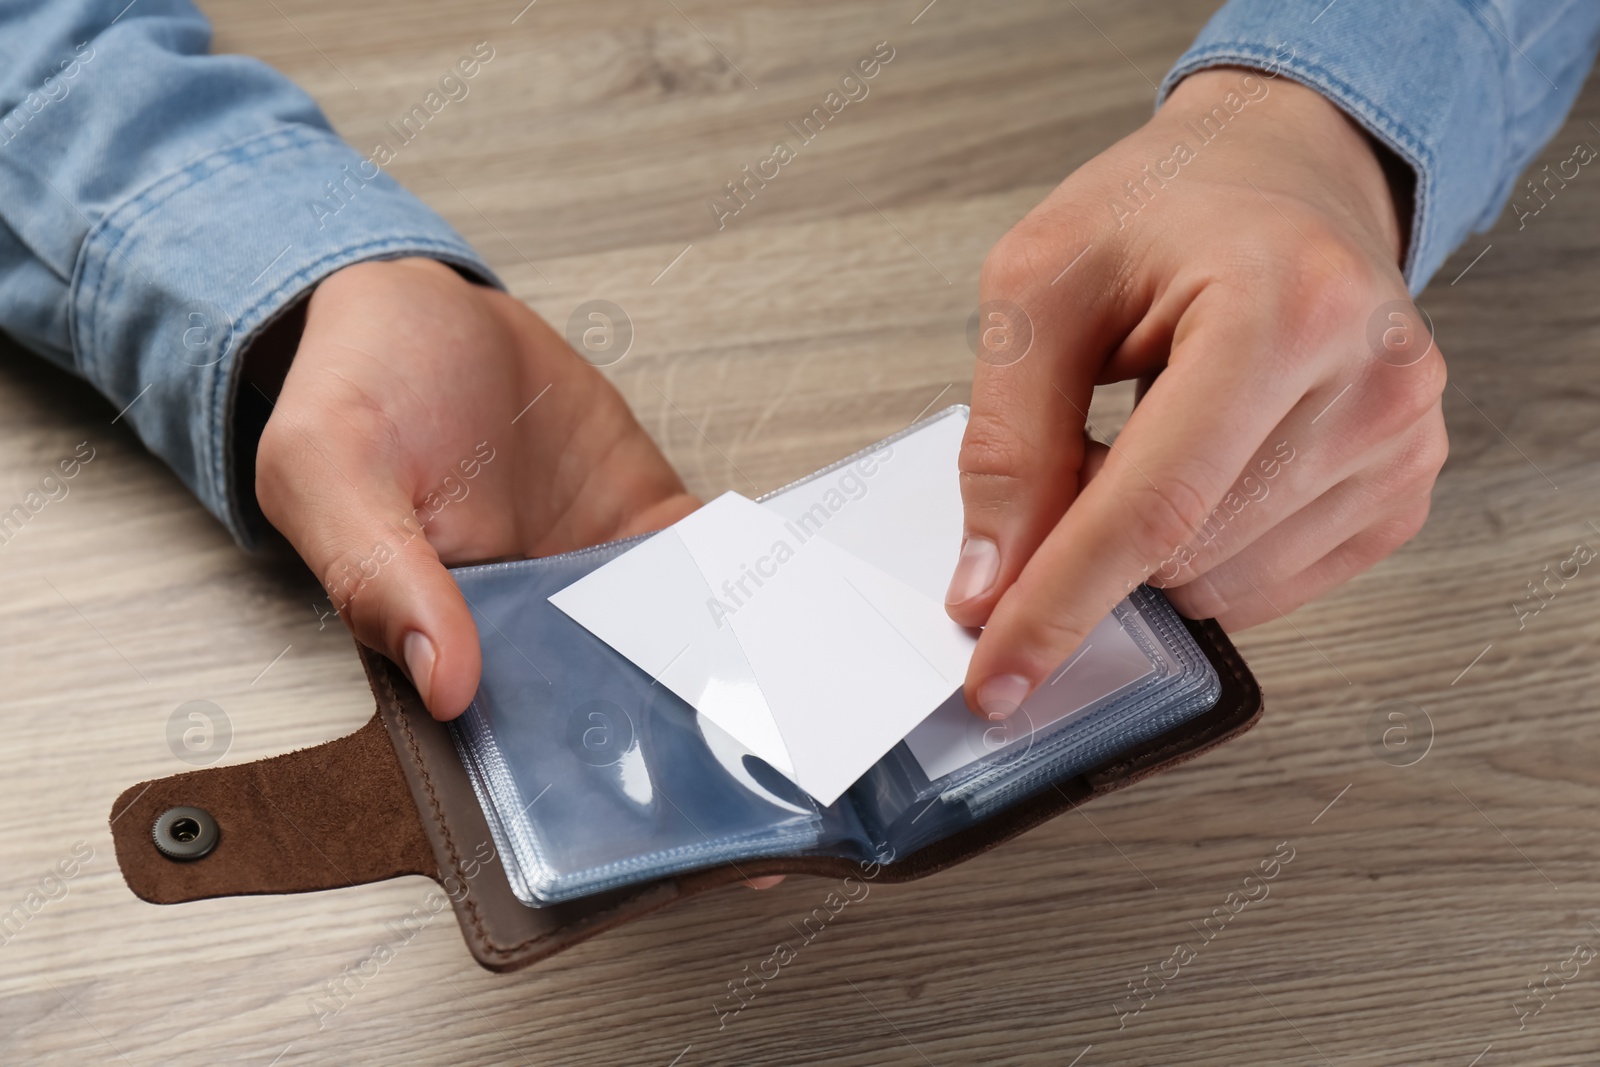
(1294, 433)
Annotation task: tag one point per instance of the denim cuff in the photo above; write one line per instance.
(174, 283)
(1402, 74)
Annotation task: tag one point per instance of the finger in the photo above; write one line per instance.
(367, 548)
(1183, 446)
(1390, 485)
(1352, 557)
(1023, 448)
(1384, 420)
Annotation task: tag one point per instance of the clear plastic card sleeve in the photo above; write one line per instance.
(593, 775)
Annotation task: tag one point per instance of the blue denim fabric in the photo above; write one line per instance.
(158, 204)
(159, 207)
(1465, 91)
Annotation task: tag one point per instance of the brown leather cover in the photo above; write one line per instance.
(393, 798)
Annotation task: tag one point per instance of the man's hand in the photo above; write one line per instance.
(1244, 245)
(403, 439)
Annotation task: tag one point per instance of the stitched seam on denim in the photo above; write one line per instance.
(167, 186)
(105, 238)
(197, 171)
(110, 231)
(1324, 77)
(214, 471)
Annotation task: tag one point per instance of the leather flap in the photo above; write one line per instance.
(336, 814)
(393, 798)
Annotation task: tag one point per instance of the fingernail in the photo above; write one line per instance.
(419, 662)
(975, 570)
(1002, 695)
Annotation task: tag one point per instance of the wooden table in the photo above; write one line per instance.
(1421, 899)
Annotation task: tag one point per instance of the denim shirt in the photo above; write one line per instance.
(160, 206)
(1465, 91)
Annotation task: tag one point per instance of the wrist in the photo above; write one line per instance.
(1300, 143)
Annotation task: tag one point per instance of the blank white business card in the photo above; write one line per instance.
(813, 659)
(811, 627)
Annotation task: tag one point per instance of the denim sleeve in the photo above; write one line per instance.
(159, 206)
(1465, 91)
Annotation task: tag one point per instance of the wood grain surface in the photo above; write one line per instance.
(1421, 900)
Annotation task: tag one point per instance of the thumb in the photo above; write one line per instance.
(1039, 347)
(388, 584)
(398, 598)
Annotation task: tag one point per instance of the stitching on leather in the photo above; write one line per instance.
(433, 796)
(510, 952)
(393, 701)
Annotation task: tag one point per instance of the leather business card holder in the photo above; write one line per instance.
(394, 798)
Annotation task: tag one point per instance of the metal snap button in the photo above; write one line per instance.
(186, 833)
